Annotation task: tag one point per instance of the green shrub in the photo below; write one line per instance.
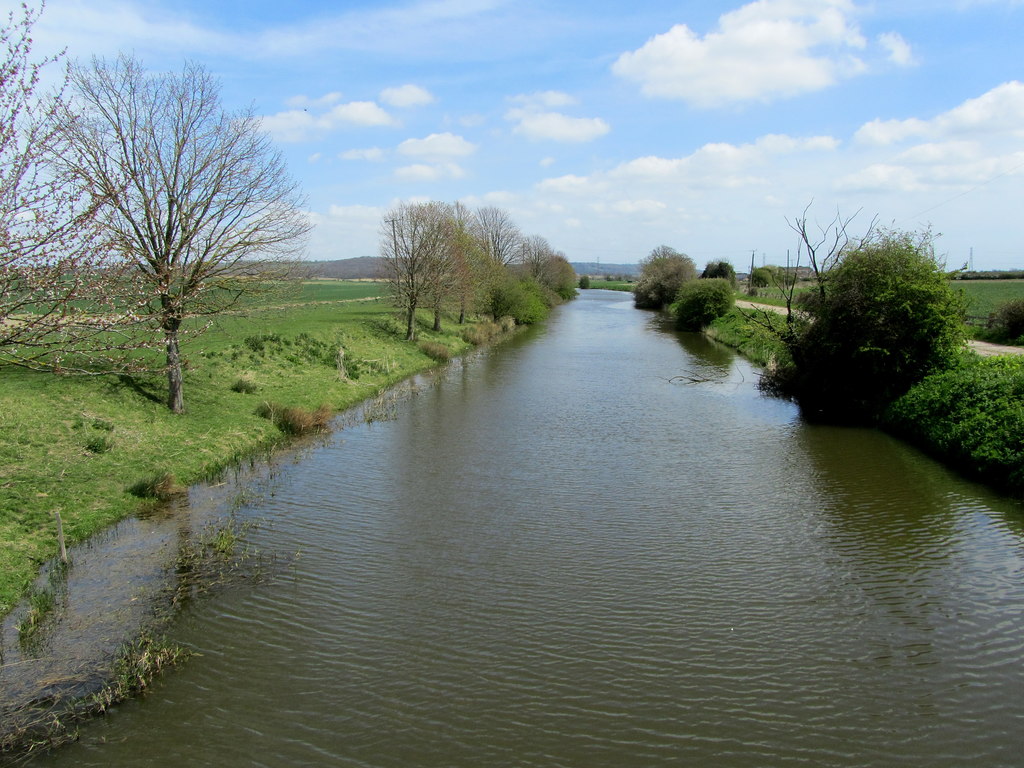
(584, 282)
(702, 301)
(662, 274)
(884, 318)
(1008, 320)
(762, 277)
(720, 269)
(524, 300)
(261, 341)
(972, 416)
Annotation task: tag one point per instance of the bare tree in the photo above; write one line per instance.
(823, 248)
(415, 243)
(499, 234)
(470, 261)
(193, 198)
(51, 260)
(536, 254)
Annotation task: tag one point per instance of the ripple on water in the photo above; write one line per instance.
(674, 575)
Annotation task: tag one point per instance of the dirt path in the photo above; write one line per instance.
(983, 348)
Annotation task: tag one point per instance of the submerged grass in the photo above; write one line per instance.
(96, 448)
(214, 557)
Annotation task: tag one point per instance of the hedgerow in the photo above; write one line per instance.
(972, 416)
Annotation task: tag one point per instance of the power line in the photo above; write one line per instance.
(968, 191)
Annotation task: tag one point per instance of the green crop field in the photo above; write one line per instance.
(612, 285)
(986, 296)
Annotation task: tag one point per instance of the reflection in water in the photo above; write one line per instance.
(556, 556)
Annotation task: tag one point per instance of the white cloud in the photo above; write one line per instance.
(568, 184)
(763, 51)
(720, 163)
(999, 111)
(643, 207)
(371, 153)
(969, 145)
(554, 126)
(898, 49)
(544, 100)
(882, 177)
(432, 172)
(406, 96)
(297, 125)
(304, 102)
(291, 126)
(882, 132)
(437, 146)
(535, 120)
(365, 113)
(102, 27)
(932, 166)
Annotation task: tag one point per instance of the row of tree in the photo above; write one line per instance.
(442, 256)
(129, 202)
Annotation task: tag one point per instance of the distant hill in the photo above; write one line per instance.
(597, 268)
(369, 266)
(345, 269)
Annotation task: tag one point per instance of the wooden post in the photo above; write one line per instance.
(60, 538)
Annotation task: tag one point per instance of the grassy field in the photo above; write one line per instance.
(985, 296)
(612, 285)
(77, 444)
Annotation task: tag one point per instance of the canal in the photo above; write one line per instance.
(599, 545)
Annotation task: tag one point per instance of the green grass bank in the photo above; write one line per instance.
(78, 445)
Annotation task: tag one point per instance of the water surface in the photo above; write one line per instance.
(560, 555)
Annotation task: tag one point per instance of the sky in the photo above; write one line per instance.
(611, 128)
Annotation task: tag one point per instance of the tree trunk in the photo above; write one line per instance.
(410, 327)
(175, 396)
(437, 319)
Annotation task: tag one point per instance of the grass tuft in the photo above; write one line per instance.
(162, 486)
(99, 444)
(436, 351)
(244, 385)
(41, 603)
(293, 420)
(135, 668)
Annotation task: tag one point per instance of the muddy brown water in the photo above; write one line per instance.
(556, 554)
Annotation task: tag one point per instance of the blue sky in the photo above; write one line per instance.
(611, 128)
